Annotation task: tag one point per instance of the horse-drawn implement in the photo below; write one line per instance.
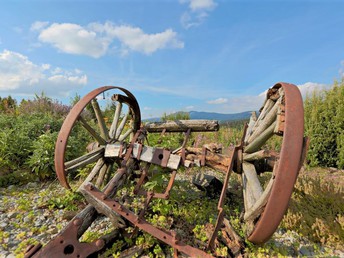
(121, 155)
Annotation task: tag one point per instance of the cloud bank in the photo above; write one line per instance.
(198, 11)
(96, 39)
(19, 75)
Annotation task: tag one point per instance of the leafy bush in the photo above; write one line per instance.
(324, 124)
(42, 160)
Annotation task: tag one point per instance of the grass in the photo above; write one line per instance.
(315, 217)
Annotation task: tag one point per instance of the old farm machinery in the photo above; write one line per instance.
(121, 156)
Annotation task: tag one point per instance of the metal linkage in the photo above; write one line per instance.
(123, 144)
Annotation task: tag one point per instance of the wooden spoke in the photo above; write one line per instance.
(124, 136)
(103, 171)
(101, 122)
(248, 196)
(252, 182)
(262, 154)
(251, 123)
(259, 205)
(267, 106)
(114, 124)
(96, 136)
(84, 157)
(266, 122)
(258, 142)
(84, 160)
(93, 173)
(122, 124)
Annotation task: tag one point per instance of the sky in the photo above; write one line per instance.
(181, 55)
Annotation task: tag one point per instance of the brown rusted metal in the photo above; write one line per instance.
(68, 245)
(166, 237)
(288, 168)
(293, 150)
(72, 117)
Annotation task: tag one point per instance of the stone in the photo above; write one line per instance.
(208, 183)
(32, 185)
(306, 251)
(12, 215)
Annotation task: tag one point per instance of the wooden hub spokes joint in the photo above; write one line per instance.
(268, 175)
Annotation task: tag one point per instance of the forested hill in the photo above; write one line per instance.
(208, 115)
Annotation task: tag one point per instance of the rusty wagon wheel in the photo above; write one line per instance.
(117, 127)
(280, 122)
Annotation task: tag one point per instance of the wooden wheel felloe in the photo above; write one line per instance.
(280, 116)
(125, 121)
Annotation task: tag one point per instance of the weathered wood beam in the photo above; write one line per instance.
(114, 124)
(266, 122)
(259, 205)
(93, 173)
(96, 136)
(183, 126)
(101, 122)
(121, 125)
(85, 159)
(261, 139)
(253, 183)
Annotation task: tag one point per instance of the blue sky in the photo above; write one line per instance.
(202, 55)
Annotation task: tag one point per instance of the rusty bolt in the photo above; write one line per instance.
(100, 243)
(77, 222)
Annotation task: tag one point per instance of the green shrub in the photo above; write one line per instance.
(324, 124)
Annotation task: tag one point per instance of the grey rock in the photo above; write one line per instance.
(32, 185)
(12, 215)
(306, 251)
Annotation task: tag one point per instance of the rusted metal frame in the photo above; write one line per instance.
(67, 244)
(142, 178)
(235, 157)
(72, 117)
(166, 237)
(161, 157)
(129, 152)
(220, 215)
(164, 195)
(289, 164)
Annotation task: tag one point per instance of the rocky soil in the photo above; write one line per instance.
(28, 215)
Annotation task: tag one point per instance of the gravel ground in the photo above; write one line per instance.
(25, 214)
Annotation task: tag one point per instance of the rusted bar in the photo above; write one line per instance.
(142, 224)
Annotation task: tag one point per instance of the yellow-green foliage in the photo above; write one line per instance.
(316, 211)
(324, 124)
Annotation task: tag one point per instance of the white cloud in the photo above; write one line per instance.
(95, 39)
(197, 13)
(189, 107)
(38, 25)
(217, 101)
(341, 70)
(202, 5)
(74, 39)
(309, 87)
(19, 75)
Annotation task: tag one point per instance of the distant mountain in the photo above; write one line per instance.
(218, 116)
(212, 116)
